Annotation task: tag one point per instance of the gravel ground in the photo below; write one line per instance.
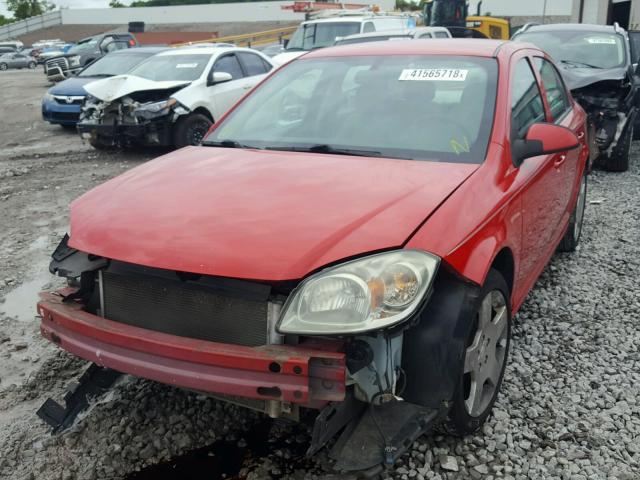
(570, 406)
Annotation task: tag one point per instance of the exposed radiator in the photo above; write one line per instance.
(186, 309)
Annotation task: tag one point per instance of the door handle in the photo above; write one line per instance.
(559, 160)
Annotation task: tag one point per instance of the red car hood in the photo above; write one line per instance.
(259, 215)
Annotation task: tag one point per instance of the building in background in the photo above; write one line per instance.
(625, 12)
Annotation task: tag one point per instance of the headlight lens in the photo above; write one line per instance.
(360, 296)
(74, 61)
(48, 97)
(157, 107)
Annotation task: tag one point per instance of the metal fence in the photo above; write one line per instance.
(14, 30)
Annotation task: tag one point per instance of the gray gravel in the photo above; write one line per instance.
(569, 410)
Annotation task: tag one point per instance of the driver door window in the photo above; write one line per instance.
(555, 91)
(230, 65)
(526, 103)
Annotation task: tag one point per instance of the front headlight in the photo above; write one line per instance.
(74, 61)
(367, 294)
(157, 107)
(48, 97)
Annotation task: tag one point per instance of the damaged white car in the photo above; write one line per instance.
(171, 99)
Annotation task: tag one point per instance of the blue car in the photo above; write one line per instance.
(62, 103)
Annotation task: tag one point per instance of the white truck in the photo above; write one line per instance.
(323, 32)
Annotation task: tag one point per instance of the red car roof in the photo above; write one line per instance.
(456, 46)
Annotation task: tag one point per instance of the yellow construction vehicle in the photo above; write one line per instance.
(453, 14)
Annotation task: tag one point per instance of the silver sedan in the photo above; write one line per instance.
(17, 60)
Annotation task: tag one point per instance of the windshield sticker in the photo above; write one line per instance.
(608, 41)
(447, 74)
(186, 65)
(458, 147)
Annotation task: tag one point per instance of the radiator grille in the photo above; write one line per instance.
(57, 62)
(183, 309)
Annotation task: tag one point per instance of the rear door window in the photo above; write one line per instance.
(253, 64)
(527, 107)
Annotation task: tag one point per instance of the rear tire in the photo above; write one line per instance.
(572, 236)
(485, 358)
(32, 65)
(190, 130)
(618, 160)
(4, 66)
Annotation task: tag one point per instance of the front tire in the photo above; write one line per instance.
(190, 130)
(485, 358)
(572, 236)
(4, 66)
(101, 144)
(32, 65)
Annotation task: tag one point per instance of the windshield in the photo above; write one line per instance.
(316, 35)
(412, 107)
(160, 68)
(82, 46)
(110, 65)
(579, 48)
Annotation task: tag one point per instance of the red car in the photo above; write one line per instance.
(354, 236)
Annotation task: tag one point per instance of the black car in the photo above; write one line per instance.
(84, 52)
(598, 67)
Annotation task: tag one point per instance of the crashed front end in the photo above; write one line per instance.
(143, 118)
(221, 336)
(610, 101)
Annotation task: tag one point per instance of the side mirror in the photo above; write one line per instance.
(543, 139)
(219, 77)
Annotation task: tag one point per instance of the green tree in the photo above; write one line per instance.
(22, 9)
(4, 20)
(116, 4)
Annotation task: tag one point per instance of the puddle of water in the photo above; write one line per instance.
(20, 303)
(226, 459)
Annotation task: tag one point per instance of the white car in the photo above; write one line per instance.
(418, 33)
(324, 32)
(170, 99)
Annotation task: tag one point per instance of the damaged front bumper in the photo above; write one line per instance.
(158, 133)
(293, 374)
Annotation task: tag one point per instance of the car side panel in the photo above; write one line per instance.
(485, 214)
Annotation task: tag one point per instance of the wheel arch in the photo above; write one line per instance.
(203, 111)
(504, 263)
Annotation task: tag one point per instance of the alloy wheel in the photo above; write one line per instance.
(486, 353)
(3, 66)
(196, 133)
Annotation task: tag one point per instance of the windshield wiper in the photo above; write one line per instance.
(325, 148)
(226, 144)
(579, 64)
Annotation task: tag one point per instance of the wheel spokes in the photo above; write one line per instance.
(485, 356)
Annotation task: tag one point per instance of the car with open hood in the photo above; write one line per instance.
(598, 67)
(62, 102)
(334, 249)
(171, 99)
